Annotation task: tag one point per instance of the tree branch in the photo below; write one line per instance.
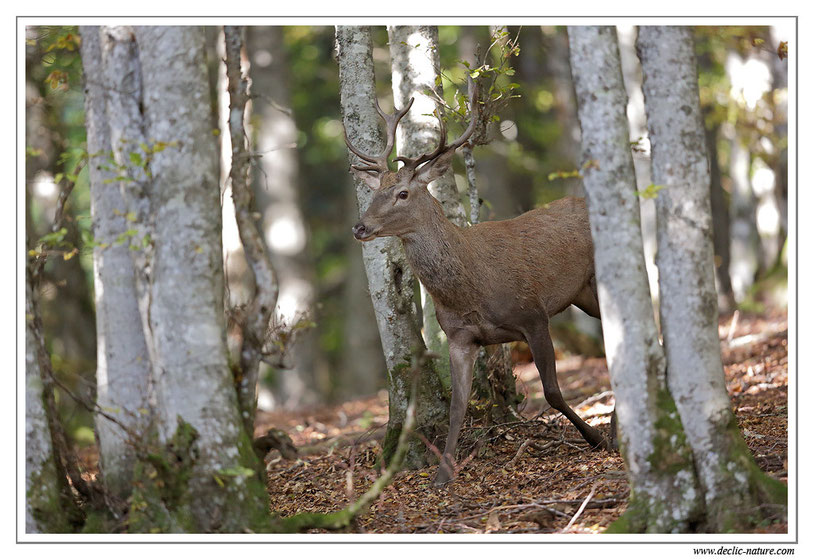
(265, 297)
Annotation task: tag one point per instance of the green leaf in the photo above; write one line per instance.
(235, 471)
(563, 174)
(652, 191)
(135, 157)
(123, 237)
(54, 237)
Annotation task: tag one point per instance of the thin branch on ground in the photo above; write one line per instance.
(581, 508)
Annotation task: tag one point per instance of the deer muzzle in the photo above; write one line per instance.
(362, 232)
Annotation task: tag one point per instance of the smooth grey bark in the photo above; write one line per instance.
(123, 363)
(193, 381)
(43, 513)
(659, 462)
(415, 64)
(733, 486)
(389, 276)
(123, 89)
(277, 196)
(637, 121)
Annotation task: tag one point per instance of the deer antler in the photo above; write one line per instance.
(443, 147)
(379, 163)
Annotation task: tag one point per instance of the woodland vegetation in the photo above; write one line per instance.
(209, 350)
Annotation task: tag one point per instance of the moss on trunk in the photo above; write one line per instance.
(432, 405)
(761, 499)
(677, 512)
(166, 487)
(50, 502)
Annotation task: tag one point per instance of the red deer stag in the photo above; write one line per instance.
(493, 282)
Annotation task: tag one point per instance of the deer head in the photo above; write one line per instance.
(401, 197)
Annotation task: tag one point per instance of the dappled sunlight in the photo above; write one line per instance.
(750, 78)
(285, 232)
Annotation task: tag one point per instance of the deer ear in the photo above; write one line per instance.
(370, 178)
(434, 169)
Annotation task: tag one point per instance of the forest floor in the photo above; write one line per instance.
(532, 476)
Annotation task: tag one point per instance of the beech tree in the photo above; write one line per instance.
(688, 465)
(737, 494)
(123, 362)
(663, 494)
(416, 70)
(389, 277)
(195, 469)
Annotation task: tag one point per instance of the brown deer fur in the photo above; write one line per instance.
(491, 283)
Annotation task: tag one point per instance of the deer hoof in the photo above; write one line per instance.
(442, 478)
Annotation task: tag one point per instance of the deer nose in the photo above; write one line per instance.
(359, 230)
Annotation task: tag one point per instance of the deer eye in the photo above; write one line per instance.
(403, 195)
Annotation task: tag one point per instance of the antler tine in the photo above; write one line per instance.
(442, 145)
(380, 162)
(366, 168)
(392, 122)
(363, 156)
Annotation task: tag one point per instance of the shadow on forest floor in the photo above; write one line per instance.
(529, 477)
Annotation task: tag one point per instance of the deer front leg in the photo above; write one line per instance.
(543, 352)
(462, 360)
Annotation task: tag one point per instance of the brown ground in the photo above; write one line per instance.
(526, 477)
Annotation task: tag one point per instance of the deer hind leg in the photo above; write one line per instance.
(462, 359)
(543, 352)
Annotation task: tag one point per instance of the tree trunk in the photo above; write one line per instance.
(262, 304)
(736, 492)
(123, 87)
(45, 485)
(123, 363)
(208, 472)
(416, 66)
(277, 196)
(659, 462)
(389, 276)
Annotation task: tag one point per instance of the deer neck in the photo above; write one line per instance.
(437, 251)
